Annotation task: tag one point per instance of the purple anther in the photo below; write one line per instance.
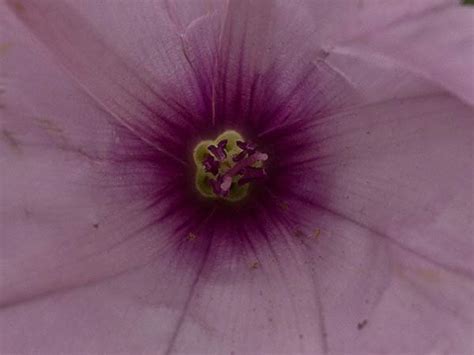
(247, 149)
(216, 186)
(246, 166)
(219, 150)
(250, 174)
(239, 157)
(211, 165)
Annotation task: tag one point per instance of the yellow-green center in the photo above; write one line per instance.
(225, 166)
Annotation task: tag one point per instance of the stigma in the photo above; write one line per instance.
(227, 166)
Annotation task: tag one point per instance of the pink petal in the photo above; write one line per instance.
(340, 291)
(379, 298)
(125, 87)
(132, 313)
(340, 20)
(363, 278)
(424, 309)
(402, 168)
(438, 46)
(377, 80)
(257, 49)
(265, 301)
(63, 223)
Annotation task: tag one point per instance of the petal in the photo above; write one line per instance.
(345, 290)
(257, 52)
(377, 80)
(185, 13)
(402, 168)
(268, 44)
(131, 313)
(64, 223)
(138, 95)
(424, 309)
(377, 297)
(255, 301)
(178, 305)
(264, 301)
(438, 46)
(355, 18)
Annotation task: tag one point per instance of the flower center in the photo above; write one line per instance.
(226, 166)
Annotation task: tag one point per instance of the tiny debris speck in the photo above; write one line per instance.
(362, 324)
(255, 265)
(191, 237)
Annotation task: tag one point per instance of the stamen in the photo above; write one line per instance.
(251, 174)
(219, 150)
(211, 165)
(247, 148)
(226, 166)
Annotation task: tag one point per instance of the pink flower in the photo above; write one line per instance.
(247, 177)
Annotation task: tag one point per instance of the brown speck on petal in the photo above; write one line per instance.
(284, 206)
(4, 47)
(48, 125)
(2, 91)
(255, 265)
(362, 324)
(299, 234)
(10, 139)
(27, 213)
(191, 237)
(18, 6)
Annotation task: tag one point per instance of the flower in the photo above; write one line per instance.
(236, 177)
